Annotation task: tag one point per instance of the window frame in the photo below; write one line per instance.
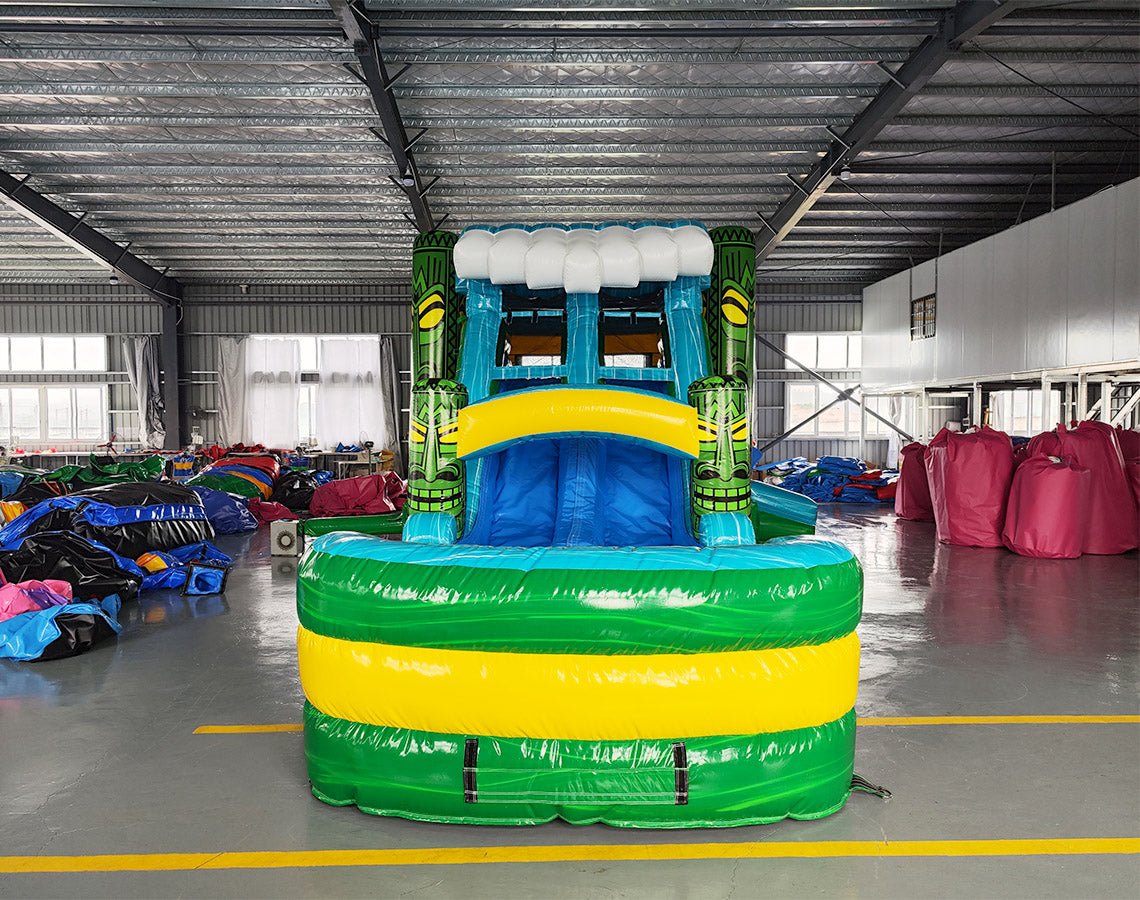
(10, 367)
(923, 316)
(310, 350)
(42, 390)
(851, 410)
(853, 338)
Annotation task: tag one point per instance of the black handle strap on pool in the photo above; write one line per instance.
(863, 786)
(471, 767)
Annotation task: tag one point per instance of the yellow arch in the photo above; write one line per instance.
(511, 417)
(577, 696)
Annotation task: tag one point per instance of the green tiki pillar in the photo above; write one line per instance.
(436, 309)
(728, 302)
(720, 475)
(436, 479)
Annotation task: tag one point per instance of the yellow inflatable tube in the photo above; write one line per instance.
(580, 697)
(526, 414)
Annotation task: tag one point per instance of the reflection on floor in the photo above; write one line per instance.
(99, 755)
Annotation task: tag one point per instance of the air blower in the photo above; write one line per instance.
(284, 539)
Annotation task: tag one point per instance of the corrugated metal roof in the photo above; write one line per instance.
(241, 144)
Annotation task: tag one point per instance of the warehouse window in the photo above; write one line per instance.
(68, 411)
(922, 312)
(841, 420)
(824, 351)
(806, 397)
(1023, 412)
(350, 409)
(53, 414)
(54, 353)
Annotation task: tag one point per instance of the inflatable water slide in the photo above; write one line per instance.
(593, 613)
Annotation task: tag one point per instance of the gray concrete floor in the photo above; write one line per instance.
(97, 753)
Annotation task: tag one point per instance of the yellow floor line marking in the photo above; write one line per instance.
(869, 722)
(997, 720)
(450, 856)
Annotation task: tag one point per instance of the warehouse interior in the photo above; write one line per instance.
(216, 370)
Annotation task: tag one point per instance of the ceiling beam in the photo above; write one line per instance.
(962, 22)
(71, 229)
(529, 122)
(361, 34)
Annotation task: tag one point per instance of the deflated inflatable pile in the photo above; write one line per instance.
(581, 621)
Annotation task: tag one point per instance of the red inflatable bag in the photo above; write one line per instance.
(912, 493)
(1112, 519)
(266, 511)
(969, 476)
(1129, 441)
(1044, 444)
(363, 496)
(1047, 513)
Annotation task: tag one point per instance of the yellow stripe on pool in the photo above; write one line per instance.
(580, 697)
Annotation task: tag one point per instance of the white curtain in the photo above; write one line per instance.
(894, 440)
(390, 396)
(350, 403)
(1001, 411)
(141, 357)
(272, 391)
(231, 390)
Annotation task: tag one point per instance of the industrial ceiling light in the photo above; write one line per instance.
(845, 173)
(408, 179)
(114, 279)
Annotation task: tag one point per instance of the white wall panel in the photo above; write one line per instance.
(1092, 275)
(1048, 279)
(953, 319)
(974, 333)
(1060, 290)
(1009, 306)
(1126, 292)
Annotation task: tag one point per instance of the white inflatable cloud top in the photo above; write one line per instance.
(583, 260)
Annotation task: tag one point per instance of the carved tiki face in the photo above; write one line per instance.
(435, 307)
(721, 473)
(728, 317)
(435, 476)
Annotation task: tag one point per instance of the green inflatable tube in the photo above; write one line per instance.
(452, 603)
(701, 782)
(380, 524)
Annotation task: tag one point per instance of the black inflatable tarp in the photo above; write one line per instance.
(78, 633)
(154, 516)
(294, 490)
(33, 489)
(92, 571)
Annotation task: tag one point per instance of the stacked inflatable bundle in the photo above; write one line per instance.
(92, 570)
(367, 495)
(130, 519)
(1048, 512)
(42, 620)
(969, 476)
(832, 479)
(1104, 515)
(1066, 493)
(579, 622)
(912, 496)
(246, 476)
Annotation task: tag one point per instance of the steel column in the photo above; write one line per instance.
(170, 358)
(1106, 389)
